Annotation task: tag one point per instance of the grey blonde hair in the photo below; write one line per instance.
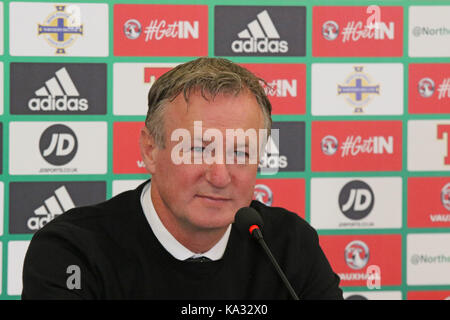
(210, 76)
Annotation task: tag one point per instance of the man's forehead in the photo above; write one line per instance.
(206, 96)
(223, 105)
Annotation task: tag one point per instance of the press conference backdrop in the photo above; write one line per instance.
(360, 93)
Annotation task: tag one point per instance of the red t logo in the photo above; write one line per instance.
(151, 74)
(444, 128)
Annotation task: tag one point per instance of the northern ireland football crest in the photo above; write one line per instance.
(62, 28)
(358, 89)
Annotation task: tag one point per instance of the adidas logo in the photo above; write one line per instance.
(55, 95)
(271, 159)
(262, 37)
(53, 206)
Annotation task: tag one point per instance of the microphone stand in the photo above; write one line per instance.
(256, 232)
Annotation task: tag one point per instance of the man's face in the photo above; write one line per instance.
(203, 196)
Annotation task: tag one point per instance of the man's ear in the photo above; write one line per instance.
(149, 150)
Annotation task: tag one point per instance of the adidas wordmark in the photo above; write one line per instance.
(261, 36)
(54, 95)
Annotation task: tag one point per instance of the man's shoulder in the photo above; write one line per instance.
(97, 239)
(98, 218)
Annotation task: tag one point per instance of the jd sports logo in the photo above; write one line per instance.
(260, 31)
(57, 88)
(58, 144)
(356, 200)
(47, 200)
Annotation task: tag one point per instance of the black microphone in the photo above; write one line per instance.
(249, 220)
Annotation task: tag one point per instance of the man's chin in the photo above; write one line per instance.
(212, 219)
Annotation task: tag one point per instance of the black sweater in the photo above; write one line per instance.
(119, 257)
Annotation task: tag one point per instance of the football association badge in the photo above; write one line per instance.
(62, 28)
(359, 89)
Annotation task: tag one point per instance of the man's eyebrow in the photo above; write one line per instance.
(241, 145)
(198, 139)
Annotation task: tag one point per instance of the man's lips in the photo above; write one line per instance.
(212, 197)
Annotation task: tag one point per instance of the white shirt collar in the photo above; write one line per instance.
(175, 248)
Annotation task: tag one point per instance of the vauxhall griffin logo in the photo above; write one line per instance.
(263, 194)
(58, 145)
(58, 94)
(426, 87)
(261, 36)
(329, 145)
(330, 30)
(445, 196)
(132, 29)
(356, 200)
(356, 254)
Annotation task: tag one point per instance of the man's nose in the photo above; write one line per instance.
(218, 175)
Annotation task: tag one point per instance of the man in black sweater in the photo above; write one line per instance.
(173, 237)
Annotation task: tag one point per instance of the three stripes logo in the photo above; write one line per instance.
(59, 93)
(260, 36)
(53, 206)
(47, 200)
(260, 31)
(271, 160)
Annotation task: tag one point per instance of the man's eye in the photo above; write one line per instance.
(198, 149)
(241, 154)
